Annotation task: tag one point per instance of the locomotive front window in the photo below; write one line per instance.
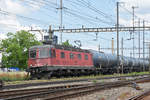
(43, 53)
(32, 54)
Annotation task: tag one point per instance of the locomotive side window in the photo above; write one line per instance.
(71, 56)
(62, 55)
(53, 53)
(86, 57)
(79, 56)
(32, 54)
(43, 53)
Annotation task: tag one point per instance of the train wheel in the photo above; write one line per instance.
(32, 75)
(38, 76)
(49, 75)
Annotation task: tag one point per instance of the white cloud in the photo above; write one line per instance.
(90, 47)
(10, 20)
(142, 11)
(39, 35)
(12, 6)
(36, 5)
(10, 23)
(125, 22)
(20, 6)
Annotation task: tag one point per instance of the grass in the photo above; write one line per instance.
(95, 81)
(13, 76)
(127, 74)
(21, 77)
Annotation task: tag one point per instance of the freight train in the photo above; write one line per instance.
(56, 60)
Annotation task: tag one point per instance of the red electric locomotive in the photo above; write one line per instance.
(48, 60)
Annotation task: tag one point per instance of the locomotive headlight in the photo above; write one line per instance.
(30, 65)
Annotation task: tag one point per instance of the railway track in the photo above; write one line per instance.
(143, 96)
(12, 93)
(64, 93)
(67, 81)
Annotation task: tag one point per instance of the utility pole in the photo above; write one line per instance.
(143, 44)
(117, 26)
(139, 38)
(50, 34)
(112, 46)
(61, 19)
(99, 47)
(149, 57)
(133, 8)
(122, 55)
(130, 54)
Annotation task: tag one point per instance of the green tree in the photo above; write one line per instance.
(66, 43)
(15, 49)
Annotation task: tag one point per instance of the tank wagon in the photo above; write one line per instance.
(56, 60)
(108, 63)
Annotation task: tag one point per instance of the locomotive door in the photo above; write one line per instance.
(53, 56)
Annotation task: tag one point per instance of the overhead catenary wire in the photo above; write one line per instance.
(96, 10)
(9, 25)
(24, 17)
(81, 17)
(49, 8)
(94, 19)
(76, 15)
(134, 14)
(32, 2)
(54, 8)
(53, 5)
(91, 16)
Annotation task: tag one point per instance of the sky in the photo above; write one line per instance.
(18, 15)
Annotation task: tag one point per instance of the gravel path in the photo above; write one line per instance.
(121, 93)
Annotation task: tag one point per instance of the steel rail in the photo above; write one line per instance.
(140, 96)
(12, 93)
(67, 92)
(66, 81)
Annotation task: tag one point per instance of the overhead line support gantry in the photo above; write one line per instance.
(105, 29)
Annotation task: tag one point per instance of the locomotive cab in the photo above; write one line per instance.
(40, 52)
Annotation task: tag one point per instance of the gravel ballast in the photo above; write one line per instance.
(121, 93)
